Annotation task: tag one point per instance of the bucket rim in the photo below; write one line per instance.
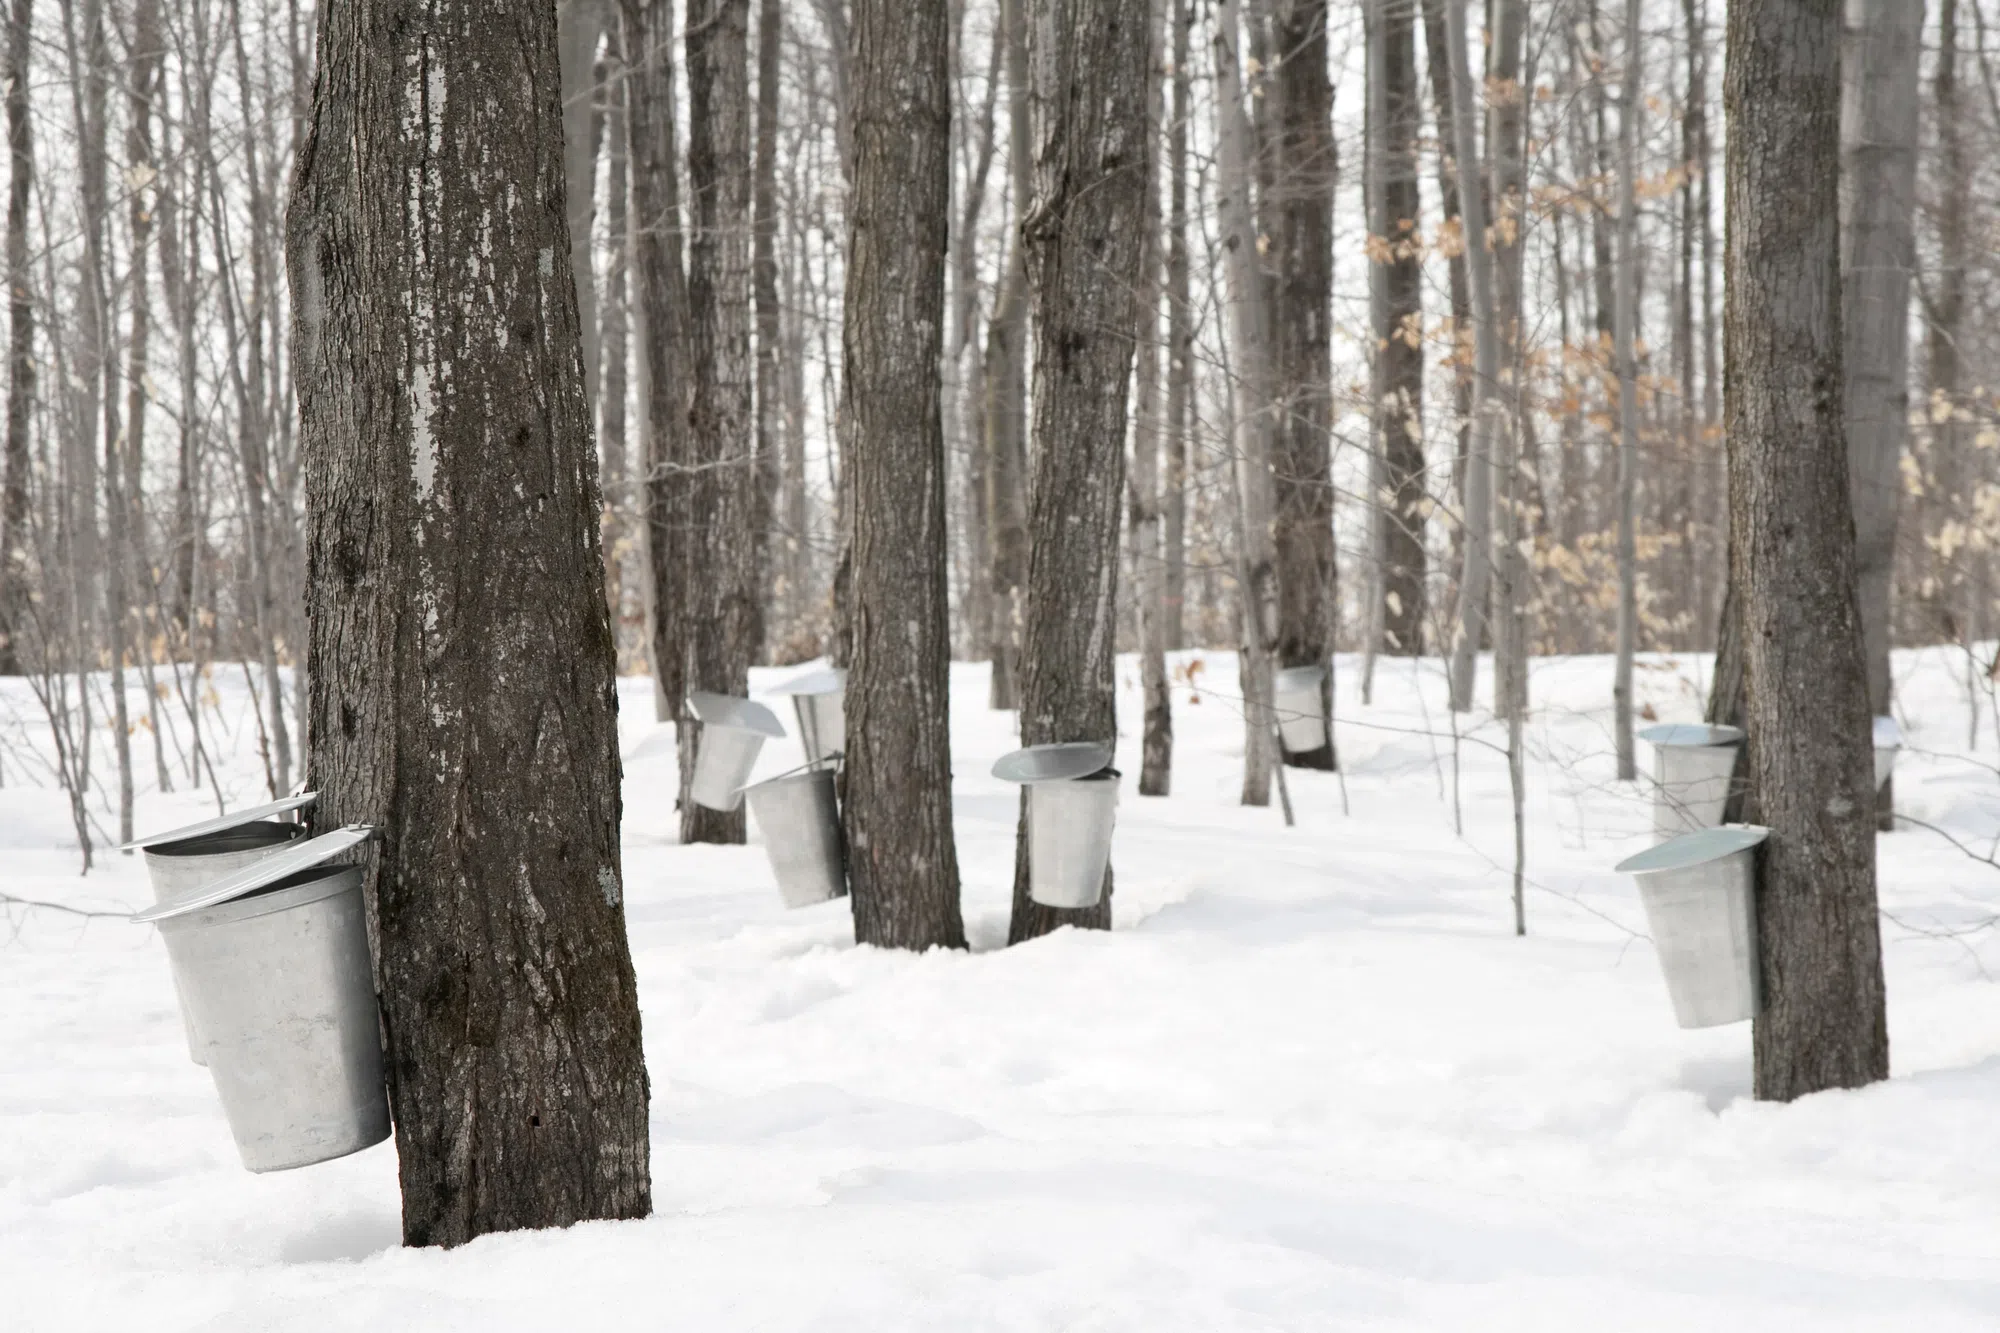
(249, 814)
(1064, 761)
(177, 850)
(316, 884)
(1694, 849)
(735, 713)
(1692, 734)
(816, 681)
(261, 874)
(811, 773)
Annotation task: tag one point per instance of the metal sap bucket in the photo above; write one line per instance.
(1692, 764)
(274, 966)
(800, 820)
(1072, 811)
(732, 732)
(820, 700)
(1699, 894)
(187, 858)
(1888, 740)
(1301, 708)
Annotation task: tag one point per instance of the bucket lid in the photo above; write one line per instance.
(726, 710)
(301, 856)
(820, 680)
(1888, 735)
(247, 815)
(1691, 733)
(1053, 763)
(1693, 849)
(1299, 678)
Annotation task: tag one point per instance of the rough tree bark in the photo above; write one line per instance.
(1792, 547)
(902, 862)
(719, 592)
(1084, 248)
(1250, 347)
(462, 675)
(14, 569)
(1878, 180)
(1299, 213)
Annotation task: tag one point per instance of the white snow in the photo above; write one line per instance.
(1311, 1081)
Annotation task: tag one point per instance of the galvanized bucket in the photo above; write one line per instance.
(800, 820)
(820, 700)
(732, 732)
(1301, 708)
(176, 867)
(1072, 811)
(1692, 764)
(274, 965)
(200, 853)
(1888, 740)
(1698, 891)
(1069, 839)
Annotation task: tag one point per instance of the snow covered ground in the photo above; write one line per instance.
(1311, 1081)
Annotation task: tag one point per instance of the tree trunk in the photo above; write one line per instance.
(179, 246)
(768, 585)
(579, 24)
(1438, 59)
(1180, 335)
(1250, 329)
(719, 588)
(456, 614)
(1006, 377)
(1299, 211)
(664, 379)
(1156, 764)
(1631, 100)
(1811, 777)
(147, 53)
(1945, 499)
(14, 512)
(97, 361)
(1507, 147)
(1477, 492)
(903, 864)
(1399, 337)
(968, 391)
(614, 349)
(1085, 257)
(1878, 178)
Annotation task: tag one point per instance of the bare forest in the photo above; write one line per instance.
(433, 404)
